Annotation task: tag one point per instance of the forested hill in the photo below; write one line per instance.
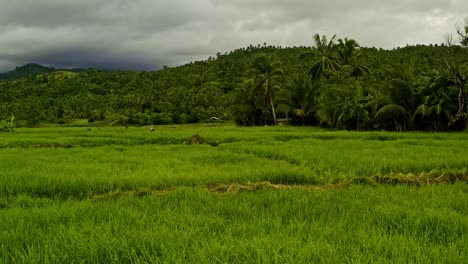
(334, 84)
(31, 70)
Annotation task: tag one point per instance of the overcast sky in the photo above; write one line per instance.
(146, 34)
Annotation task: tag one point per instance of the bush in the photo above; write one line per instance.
(161, 119)
(185, 119)
(123, 120)
(7, 125)
(167, 120)
(144, 119)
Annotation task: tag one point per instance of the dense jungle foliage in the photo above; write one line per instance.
(336, 83)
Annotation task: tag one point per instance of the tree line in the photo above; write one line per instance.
(348, 87)
(335, 83)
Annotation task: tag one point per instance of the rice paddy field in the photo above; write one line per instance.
(237, 195)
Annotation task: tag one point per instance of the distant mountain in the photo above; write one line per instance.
(32, 69)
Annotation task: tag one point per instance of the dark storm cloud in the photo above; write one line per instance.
(146, 34)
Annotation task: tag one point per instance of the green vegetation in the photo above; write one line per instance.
(283, 194)
(379, 225)
(7, 125)
(86, 187)
(31, 70)
(335, 84)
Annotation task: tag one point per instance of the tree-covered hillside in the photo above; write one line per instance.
(31, 70)
(335, 83)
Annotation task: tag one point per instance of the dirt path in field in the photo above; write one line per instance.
(232, 188)
(399, 179)
(221, 188)
(258, 186)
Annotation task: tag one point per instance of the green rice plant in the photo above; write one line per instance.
(262, 195)
(398, 224)
(77, 162)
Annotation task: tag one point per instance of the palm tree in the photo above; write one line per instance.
(354, 113)
(267, 71)
(300, 96)
(401, 106)
(437, 108)
(247, 106)
(327, 62)
(348, 52)
(438, 103)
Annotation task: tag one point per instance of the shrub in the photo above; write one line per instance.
(7, 125)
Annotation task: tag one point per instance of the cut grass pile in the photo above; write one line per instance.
(249, 195)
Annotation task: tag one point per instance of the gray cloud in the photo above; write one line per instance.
(146, 34)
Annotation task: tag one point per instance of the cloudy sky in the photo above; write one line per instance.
(146, 34)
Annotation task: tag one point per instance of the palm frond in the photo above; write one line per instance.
(391, 111)
(319, 41)
(423, 110)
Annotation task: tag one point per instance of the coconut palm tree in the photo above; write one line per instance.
(247, 107)
(439, 103)
(300, 96)
(436, 108)
(401, 106)
(266, 73)
(348, 52)
(354, 112)
(327, 61)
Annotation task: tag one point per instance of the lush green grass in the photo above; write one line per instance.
(80, 162)
(129, 195)
(86, 171)
(359, 224)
